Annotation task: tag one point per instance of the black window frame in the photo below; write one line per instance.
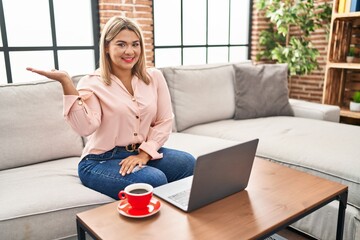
(206, 45)
(54, 48)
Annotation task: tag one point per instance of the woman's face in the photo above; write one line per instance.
(124, 50)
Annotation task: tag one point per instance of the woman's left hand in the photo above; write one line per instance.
(128, 164)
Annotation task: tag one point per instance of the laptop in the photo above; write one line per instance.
(216, 176)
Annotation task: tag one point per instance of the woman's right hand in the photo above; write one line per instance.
(57, 75)
(60, 76)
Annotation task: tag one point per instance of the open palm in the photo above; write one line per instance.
(57, 75)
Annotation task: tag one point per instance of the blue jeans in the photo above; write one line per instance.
(101, 171)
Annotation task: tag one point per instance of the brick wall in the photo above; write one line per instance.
(308, 87)
(138, 10)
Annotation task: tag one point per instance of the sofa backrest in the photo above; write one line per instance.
(32, 126)
(201, 93)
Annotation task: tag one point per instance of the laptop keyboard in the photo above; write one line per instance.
(181, 198)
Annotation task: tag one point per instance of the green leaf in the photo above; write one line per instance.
(298, 53)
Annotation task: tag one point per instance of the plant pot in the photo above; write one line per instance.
(355, 107)
(349, 59)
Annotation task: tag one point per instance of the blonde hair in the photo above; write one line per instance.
(111, 29)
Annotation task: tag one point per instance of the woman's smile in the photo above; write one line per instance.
(128, 59)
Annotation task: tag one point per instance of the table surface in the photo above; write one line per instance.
(275, 196)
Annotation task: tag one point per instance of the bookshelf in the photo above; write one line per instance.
(342, 79)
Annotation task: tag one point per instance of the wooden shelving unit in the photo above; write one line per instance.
(342, 78)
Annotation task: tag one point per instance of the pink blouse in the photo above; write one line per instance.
(110, 116)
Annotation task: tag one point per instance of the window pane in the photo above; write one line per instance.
(167, 22)
(194, 22)
(77, 61)
(36, 59)
(238, 54)
(70, 32)
(217, 55)
(239, 25)
(193, 56)
(214, 23)
(3, 78)
(218, 22)
(27, 23)
(167, 57)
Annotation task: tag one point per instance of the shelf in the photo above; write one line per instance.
(349, 16)
(342, 78)
(343, 65)
(345, 112)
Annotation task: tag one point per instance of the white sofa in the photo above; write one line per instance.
(41, 192)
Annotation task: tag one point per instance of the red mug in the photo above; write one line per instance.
(138, 195)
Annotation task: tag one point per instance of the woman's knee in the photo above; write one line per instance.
(175, 164)
(150, 175)
(183, 160)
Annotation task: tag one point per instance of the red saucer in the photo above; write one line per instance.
(125, 209)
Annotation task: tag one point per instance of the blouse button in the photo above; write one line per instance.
(80, 102)
(137, 117)
(135, 134)
(133, 99)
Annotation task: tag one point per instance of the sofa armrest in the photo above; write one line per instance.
(306, 109)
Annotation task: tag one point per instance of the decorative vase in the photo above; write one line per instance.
(349, 59)
(355, 107)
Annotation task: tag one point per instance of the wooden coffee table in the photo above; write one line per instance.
(276, 197)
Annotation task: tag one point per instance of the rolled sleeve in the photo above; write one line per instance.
(68, 102)
(151, 148)
(83, 112)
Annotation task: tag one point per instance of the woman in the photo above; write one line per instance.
(125, 110)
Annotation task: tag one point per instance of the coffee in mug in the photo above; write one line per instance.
(138, 195)
(139, 191)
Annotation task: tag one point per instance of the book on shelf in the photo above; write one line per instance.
(355, 5)
(342, 6)
(348, 5)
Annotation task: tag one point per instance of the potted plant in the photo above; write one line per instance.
(355, 104)
(351, 54)
(278, 44)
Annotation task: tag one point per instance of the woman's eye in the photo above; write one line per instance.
(121, 45)
(136, 44)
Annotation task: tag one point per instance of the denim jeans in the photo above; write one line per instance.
(100, 172)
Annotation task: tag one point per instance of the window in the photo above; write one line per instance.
(47, 34)
(202, 31)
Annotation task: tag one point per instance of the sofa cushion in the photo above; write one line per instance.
(322, 148)
(42, 198)
(32, 125)
(261, 91)
(195, 91)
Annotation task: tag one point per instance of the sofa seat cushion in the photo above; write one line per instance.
(326, 149)
(197, 145)
(41, 198)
